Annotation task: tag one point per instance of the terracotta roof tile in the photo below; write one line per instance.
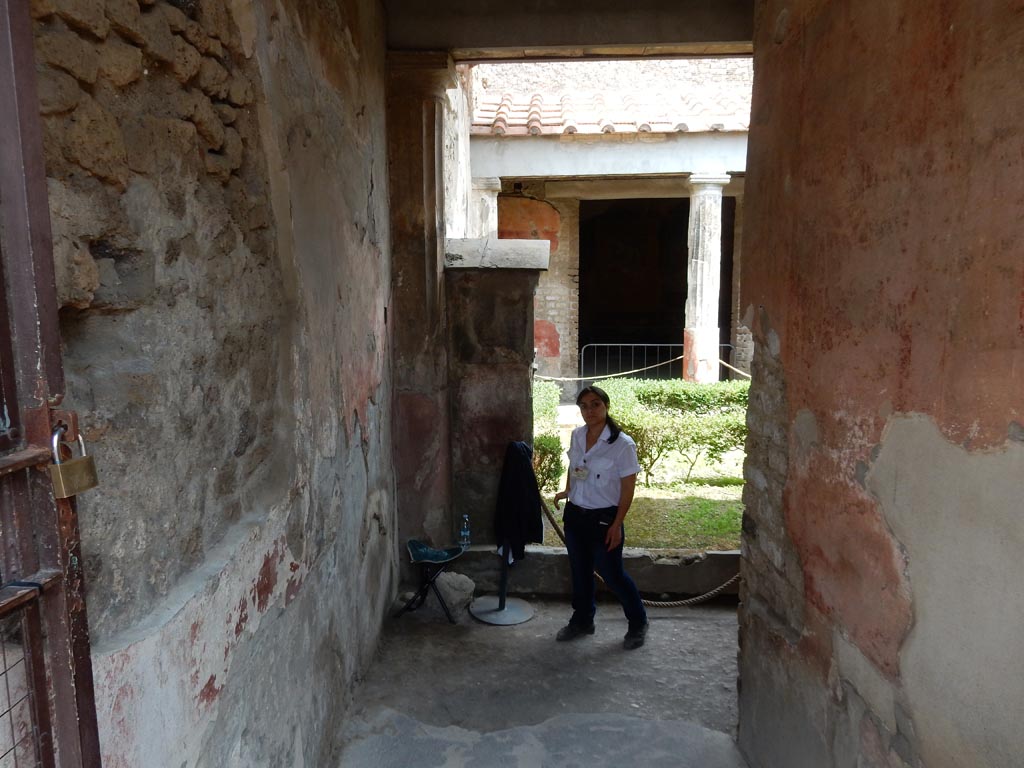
(589, 112)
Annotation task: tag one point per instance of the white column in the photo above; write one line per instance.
(483, 207)
(703, 278)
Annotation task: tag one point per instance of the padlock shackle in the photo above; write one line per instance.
(55, 443)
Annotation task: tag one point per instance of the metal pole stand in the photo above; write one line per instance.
(501, 609)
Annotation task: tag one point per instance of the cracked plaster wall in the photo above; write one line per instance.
(218, 189)
(886, 293)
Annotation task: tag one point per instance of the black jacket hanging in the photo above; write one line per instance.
(518, 517)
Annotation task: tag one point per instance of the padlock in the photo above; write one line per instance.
(73, 476)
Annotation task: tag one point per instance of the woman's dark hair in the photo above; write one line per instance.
(613, 426)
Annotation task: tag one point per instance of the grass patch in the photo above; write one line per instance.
(690, 521)
(704, 514)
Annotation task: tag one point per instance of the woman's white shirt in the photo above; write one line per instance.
(595, 476)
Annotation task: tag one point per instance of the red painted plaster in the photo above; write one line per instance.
(210, 691)
(263, 587)
(691, 362)
(243, 616)
(853, 569)
(546, 338)
(524, 218)
(421, 418)
(885, 152)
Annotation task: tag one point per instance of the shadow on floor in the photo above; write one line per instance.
(452, 695)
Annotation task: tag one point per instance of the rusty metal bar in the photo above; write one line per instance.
(32, 456)
(15, 596)
(39, 532)
(25, 235)
(10, 421)
(32, 627)
(13, 599)
(78, 650)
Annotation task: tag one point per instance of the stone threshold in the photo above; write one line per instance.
(545, 571)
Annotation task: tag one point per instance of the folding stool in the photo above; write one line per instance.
(432, 562)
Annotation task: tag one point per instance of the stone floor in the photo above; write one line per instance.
(474, 694)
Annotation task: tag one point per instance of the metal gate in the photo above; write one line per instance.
(47, 713)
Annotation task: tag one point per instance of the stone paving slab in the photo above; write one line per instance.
(393, 740)
(518, 683)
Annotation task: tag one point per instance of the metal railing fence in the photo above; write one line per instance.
(648, 361)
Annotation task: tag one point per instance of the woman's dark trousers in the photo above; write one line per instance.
(584, 539)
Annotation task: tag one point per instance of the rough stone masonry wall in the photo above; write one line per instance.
(880, 623)
(218, 191)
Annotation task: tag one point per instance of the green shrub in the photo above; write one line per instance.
(546, 395)
(691, 397)
(654, 431)
(710, 435)
(698, 420)
(547, 462)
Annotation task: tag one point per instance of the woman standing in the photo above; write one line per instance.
(599, 489)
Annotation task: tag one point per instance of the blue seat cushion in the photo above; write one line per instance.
(421, 553)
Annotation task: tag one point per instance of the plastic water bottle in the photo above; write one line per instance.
(464, 532)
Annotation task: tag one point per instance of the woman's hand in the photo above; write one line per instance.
(613, 538)
(560, 496)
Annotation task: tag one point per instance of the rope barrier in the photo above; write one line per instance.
(648, 603)
(610, 375)
(732, 368)
(627, 373)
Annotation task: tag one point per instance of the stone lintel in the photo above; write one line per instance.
(494, 253)
(427, 71)
(594, 52)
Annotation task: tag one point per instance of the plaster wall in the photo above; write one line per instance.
(884, 464)
(218, 195)
(558, 300)
(556, 303)
(634, 154)
(490, 339)
(458, 182)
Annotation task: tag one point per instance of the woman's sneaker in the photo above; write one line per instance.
(571, 631)
(635, 636)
